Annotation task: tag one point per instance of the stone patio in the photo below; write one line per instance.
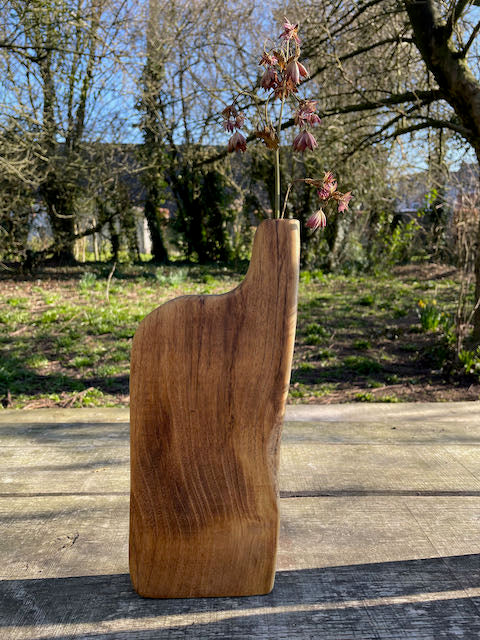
(380, 530)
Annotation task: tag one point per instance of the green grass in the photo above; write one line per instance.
(362, 365)
(361, 344)
(62, 343)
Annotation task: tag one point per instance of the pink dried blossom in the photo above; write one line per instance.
(305, 114)
(233, 119)
(230, 111)
(329, 179)
(290, 31)
(292, 71)
(317, 220)
(329, 186)
(313, 119)
(295, 71)
(343, 201)
(304, 140)
(269, 79)
(303, 71)
(281, 76)
(237, 143)
(324, 193)
(239, 120)
(267, 59)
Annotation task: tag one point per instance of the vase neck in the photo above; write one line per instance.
(275, 256)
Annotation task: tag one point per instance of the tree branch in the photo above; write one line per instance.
(457, 9)
(424, 97)
(464, 51)
(429, 123)
(360, 50)
(98, 227)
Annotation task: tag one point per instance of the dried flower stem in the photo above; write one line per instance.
(289, 188)
(277, 164)
(276, 213)
(277, 153)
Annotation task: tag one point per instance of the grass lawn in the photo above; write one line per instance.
(62, 343)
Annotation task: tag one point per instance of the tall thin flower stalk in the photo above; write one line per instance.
(281, 77)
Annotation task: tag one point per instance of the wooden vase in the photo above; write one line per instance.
(208, 387)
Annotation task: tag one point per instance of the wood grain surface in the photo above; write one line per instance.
(209, 381)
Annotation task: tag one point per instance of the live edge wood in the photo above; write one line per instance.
(209, 381)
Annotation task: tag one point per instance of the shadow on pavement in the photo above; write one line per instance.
(427, 598)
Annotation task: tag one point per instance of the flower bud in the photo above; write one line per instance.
(269, 79)
(304, 140)
(237, 143)
(317, 220)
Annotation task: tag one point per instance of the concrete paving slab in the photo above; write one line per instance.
(306, 469)
(44, 537)
(61, 469)
(406, 412)
(380, 523)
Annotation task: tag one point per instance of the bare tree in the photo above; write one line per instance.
(195, 61)
(62, 63)
(405, 67)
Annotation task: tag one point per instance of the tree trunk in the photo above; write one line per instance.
(60, 208)
(115, 241)
(461, 89)
(159, 252)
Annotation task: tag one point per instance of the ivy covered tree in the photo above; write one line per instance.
(152, 151)
(59, 59)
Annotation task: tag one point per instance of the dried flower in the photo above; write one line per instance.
(329, 179)
(292, 71)
(290, 31)
(233, 119)
(329, 186)
(317, 220)
(308, 106)
(230, 111)
(269, 137)
(343, 201)
(305, 114)
(312, 119)
(282, 74)
(269, 79)
(303, 71)
(304, 140)
(324, 193)
(281, 60)
(295, 71)
(239, 120)
(237, 143)
(268, 59)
